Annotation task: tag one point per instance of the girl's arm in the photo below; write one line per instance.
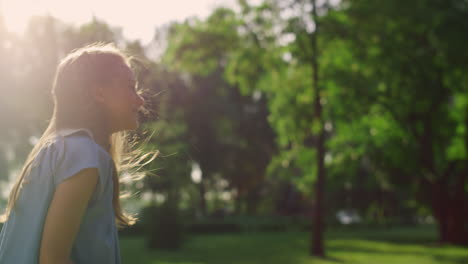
(64, 216)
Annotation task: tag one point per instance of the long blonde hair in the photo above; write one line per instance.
(78, 72)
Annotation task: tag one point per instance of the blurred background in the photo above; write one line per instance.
(290, 131)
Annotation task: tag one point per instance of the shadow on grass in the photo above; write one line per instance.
(451, 259)
(379, 249)
(354, 247)
(271, 248)
(400, 235)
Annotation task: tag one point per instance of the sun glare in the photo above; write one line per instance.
(137, 18)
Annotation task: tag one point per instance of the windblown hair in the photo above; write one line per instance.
(82, 70)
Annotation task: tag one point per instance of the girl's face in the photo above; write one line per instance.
(121, 101)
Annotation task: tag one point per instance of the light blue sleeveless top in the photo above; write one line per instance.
(70, 151)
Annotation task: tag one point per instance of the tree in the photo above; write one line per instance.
(318, 221)
(414, 91)
(289, 74)
(229, 130)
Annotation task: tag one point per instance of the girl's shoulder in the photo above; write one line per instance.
(74, 134)
(79, 140)
(76, 150)
(74, 131)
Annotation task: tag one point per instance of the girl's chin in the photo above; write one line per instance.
(135, 124)
(130, 126)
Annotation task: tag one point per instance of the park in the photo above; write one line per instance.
(288, 131)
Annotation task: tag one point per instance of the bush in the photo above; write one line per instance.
(212, 226)
(163, 226)
(246, 224)
(135, 230)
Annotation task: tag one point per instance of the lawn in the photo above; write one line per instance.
(357, 246)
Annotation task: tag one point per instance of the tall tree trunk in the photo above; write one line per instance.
(253, 198)
(317, 248)
(450, 209)
(449, 201)
(202, 191)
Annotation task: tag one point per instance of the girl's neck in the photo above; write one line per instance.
(95, 123)
(100, 136)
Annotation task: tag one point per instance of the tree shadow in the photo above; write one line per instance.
(287, 247)
(451, 259)
(214, 249)
(364, 246)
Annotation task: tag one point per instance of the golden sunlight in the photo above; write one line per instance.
(137, 18)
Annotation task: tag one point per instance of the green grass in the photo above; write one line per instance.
(357, 246)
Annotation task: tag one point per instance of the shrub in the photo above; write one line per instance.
(163, 226)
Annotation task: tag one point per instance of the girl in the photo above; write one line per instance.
(65, 204)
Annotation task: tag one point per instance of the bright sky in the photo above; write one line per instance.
(137, 18)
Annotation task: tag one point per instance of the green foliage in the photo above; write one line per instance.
(187, 50)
